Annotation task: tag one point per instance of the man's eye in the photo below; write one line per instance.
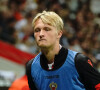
(36, 30)
(47, 29)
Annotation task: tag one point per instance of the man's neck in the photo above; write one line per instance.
(51, 52)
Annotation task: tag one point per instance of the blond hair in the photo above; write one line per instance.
(50, 18)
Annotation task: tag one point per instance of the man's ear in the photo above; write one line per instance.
(60, 34)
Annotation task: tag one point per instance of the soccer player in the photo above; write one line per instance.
(55, 67)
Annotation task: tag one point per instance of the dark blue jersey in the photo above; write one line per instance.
(63, 78)
(72, 71)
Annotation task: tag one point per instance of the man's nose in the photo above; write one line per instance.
(41, 33)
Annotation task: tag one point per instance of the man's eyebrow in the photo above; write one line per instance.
(35, 28)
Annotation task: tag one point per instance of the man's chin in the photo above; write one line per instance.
(42, 46)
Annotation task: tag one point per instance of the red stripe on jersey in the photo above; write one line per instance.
(97, 87)
(90, 62)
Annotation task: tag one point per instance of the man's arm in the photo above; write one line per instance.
(89, 76)
(28, 73)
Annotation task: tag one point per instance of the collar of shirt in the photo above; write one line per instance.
(58, 60)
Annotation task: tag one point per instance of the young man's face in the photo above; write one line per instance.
(46, 35)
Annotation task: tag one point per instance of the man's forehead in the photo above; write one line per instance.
(39, 22)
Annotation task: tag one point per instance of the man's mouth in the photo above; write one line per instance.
(42, 39)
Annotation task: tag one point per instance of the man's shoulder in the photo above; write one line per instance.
(28, 65)
(83, 60)
(81, 57)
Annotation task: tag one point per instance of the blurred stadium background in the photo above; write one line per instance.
(17, 46)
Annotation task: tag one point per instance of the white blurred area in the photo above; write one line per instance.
(9, 71)
(95, 6)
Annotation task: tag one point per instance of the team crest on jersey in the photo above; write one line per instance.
(53, 86)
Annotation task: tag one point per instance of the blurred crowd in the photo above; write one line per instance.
(81, 24)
